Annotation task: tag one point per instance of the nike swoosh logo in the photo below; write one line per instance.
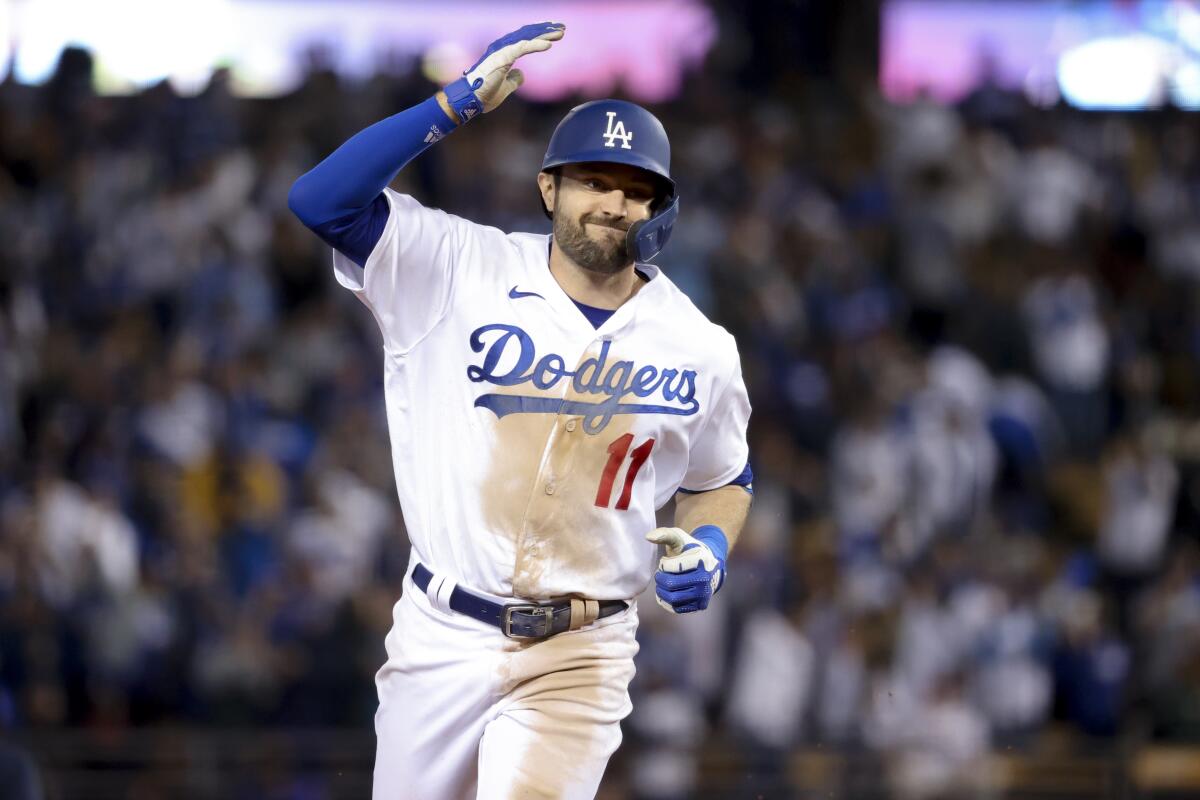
(515, 295)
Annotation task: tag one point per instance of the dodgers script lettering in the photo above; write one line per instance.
(613, 381)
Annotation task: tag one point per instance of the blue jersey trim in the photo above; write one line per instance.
(596, 316)
(599, 316)
(745, 480)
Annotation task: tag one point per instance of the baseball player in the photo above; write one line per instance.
(545, 396)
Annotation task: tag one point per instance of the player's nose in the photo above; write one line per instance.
(613, 203)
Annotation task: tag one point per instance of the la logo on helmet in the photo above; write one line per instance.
(617, 131)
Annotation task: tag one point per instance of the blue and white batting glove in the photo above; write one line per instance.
(492, 78)
(693, 568)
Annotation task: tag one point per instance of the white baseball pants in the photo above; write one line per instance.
(465, 712)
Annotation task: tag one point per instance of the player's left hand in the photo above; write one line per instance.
(689, 574)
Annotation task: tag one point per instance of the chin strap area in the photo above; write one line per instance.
(645, 239)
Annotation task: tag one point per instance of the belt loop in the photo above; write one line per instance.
(431, 589)
(439, 591)
(583, 612)
(444, 592)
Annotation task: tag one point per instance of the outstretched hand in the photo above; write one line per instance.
(493, 78)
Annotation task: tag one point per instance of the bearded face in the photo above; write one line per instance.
(593, 206)
(595, 244)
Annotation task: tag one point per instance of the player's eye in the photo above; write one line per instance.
(593, 184)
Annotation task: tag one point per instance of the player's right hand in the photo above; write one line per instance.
(492, 78)
(689, 573)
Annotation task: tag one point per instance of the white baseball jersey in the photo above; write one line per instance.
(531, 449)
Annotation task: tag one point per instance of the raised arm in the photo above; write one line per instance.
(341, 198)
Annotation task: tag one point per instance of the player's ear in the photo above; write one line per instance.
(548, 186)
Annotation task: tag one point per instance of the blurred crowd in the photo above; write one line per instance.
(971, 337)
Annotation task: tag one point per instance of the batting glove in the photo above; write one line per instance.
(492, 78)
(693, 568)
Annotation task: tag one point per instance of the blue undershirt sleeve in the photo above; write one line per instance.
(341, 199)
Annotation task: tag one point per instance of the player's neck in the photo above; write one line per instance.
(593, 288)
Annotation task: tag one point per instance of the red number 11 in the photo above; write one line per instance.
(616, 455)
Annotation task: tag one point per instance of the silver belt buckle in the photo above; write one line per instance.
(538, 628)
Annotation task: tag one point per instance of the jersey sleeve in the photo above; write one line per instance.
(719, 454)
(409, 276)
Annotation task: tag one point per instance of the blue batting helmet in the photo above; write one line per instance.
(619, 132)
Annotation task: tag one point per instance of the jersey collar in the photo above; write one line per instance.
(572, 318)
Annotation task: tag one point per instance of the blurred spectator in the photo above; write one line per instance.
(1071, 351)
(1092, 669)
(1139, 505)
(773, 653)
(938, 745)
(83, 541)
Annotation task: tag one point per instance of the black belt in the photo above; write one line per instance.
(516, 620)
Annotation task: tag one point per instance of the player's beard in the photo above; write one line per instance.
(607, 256)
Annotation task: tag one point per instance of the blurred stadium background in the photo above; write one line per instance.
(958, 243)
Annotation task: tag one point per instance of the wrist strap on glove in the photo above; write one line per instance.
(715, 539)
(461, 97)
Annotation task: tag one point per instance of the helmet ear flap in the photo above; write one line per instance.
(648, 237)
